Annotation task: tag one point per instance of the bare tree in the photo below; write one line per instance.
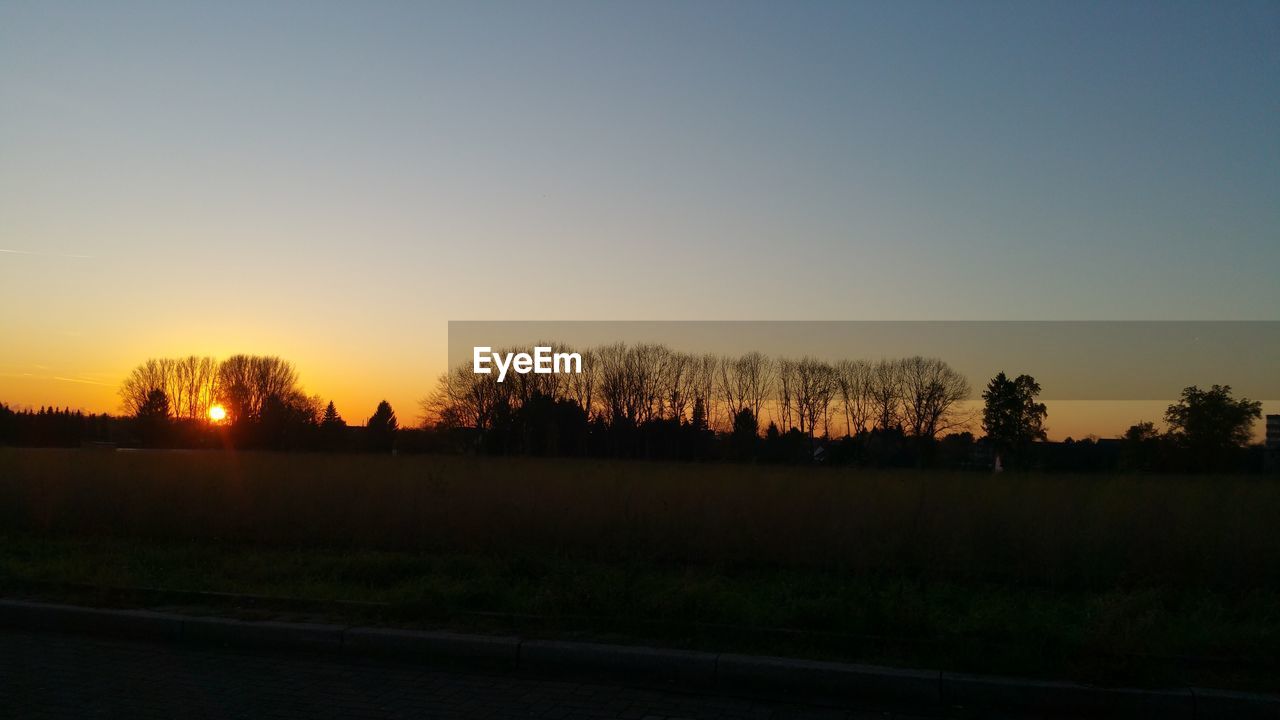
(643, 382)
(137, 387)
(582, 387)
(702, 386)
(246, 383)
(646, 366)
(678, 384)
(756, 377)
(463, 398)
(622, 383)
(931, 392)
(853, 380)
(785, 385)
(813, 387)
(884, 391)
(745, 382)
(518, 388)
(193, 386)
(728, 386)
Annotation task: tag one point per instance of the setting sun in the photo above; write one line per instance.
(217, 413)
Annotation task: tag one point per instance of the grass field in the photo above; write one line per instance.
(1111, 579)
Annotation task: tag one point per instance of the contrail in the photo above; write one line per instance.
(55, 377)
(28, 252)
(80, 380)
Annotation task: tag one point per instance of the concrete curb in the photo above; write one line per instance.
(1229, 705)
(912, 687)
(142, 624)
(922, 688)
(681, 666)
(1031, 695)
(443, 647)
(267, 634)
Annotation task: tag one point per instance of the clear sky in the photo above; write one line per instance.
(333, 182)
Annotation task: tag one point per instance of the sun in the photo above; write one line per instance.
(217, 413)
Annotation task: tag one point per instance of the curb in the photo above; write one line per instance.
(831, 679)
(1035, 695)
(142, 624)
(266, 634)
(678, 666)
(443, 647)
(1230, 705)
(921, 688)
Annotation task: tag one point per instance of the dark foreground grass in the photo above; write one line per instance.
(1142, 636)
(1148, 580)
(1056, 531)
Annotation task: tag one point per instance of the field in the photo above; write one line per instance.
(1103, 578)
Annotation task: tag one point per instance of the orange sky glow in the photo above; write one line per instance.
(333, 184)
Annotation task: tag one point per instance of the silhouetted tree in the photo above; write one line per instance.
(136, 388)
(333, 429)
(744, 382)
(8, 425)
(887, 447)
(853, 383)
(55, 427)
(746, 435)
(1140, 447)
(1211, 426)
(931, 391)
(153, 419)
(1141, 432)
(770, 448)
(955, 450)
(699, 433)
(331, 417)
(544, 425)
(813, 388)
(190, 383)
(381, 428)
(1011, 417)
(884, 390)
(247, 382)
(699, 419)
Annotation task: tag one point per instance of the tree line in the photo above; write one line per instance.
(265, 407)
(649, 401)
(632, 385)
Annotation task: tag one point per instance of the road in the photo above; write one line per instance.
(48, 675)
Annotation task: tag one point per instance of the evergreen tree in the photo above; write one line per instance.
(746, 435)
(698, 432)
(699, 417)
(381, 428)
(153, 418)
(331, 417)
(1011, 417)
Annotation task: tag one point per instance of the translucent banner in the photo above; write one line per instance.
(1071, 360)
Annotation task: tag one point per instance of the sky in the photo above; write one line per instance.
(334, 182)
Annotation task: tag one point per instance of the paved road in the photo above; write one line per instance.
(69, 676)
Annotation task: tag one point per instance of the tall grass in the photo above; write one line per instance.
(1046, 530)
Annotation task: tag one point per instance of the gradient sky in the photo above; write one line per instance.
(333, 182)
